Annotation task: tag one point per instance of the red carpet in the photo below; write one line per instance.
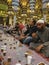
(43, 56)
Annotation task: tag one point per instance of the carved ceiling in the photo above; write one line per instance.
(27, 8)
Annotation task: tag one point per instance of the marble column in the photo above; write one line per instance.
(45, 9)
(14, 20)
(10, 20)
(4, 21)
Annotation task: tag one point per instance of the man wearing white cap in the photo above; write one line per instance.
(43, 33)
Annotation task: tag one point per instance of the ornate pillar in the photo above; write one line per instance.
(4, 21)
(14, 20)
(45, 9)
(10, 20)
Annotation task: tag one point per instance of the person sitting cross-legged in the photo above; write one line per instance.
(43, 33)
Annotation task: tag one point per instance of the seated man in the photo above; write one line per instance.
(35, 41)
(27, 38)
(43, 33)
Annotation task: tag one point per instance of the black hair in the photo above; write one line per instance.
(34, 21)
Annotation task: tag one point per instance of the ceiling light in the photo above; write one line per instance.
(1, 12)
(19, 17)
(36, 7)
(13, 7)
(48, 4)
(10, 12)
(33, 11)
(24, 15)
(24, 3)
(9, 1)
(29, 10)
(18, 8)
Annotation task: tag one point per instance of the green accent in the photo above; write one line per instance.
(3, 7)
(3, 14)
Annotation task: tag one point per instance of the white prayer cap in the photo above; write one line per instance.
(40, 21)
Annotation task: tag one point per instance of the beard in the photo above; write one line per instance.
(40, 29)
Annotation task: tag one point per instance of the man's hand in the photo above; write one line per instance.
(34, 35)
(39, 48)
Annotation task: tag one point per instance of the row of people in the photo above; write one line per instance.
(36, 35)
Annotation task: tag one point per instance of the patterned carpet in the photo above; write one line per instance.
(17, 51)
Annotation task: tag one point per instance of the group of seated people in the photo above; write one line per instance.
(35, 35)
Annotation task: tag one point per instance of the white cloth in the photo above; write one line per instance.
(40, 21)
(18, 63)
(29, 59)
